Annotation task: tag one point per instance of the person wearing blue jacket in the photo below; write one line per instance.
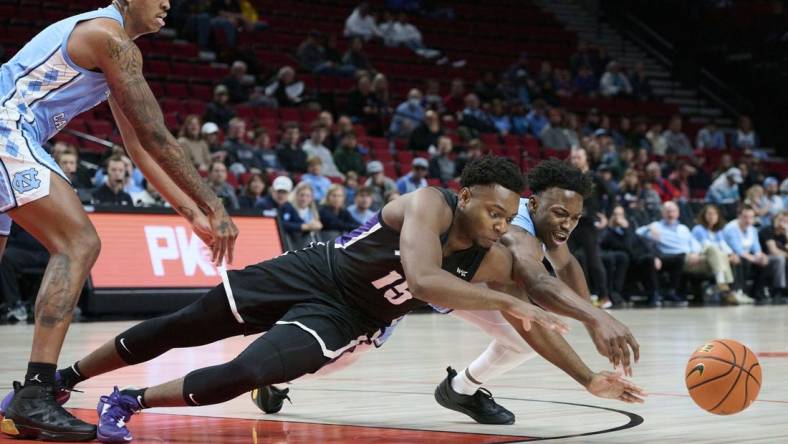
(708, 232)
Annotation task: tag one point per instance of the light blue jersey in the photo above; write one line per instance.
(41, 90)
(523, 218)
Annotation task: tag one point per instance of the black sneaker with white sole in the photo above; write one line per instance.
(269, 398)
(480, 406)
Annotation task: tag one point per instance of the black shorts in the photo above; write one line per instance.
(297, 289)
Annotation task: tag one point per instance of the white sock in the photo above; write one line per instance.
(496, 360)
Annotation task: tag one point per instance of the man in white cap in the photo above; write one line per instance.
(277, 203)
(379, 183)
(416, 178)
(725, 189)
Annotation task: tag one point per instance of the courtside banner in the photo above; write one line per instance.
(161, 251)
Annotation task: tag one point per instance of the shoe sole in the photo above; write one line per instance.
(447, 404)
(269, 410)
(10, 428)
(108, 439)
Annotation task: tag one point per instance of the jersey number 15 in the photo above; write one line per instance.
(396, 288)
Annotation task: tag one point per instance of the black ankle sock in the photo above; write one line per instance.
(138, 394)
(39, 373)
(71, 376)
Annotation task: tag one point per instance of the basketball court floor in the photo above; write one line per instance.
(386, 397)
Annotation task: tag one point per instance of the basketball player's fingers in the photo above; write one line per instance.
(552, 322)
(615, 352)
(231, 248)
(630, 398)
(633, 343)
(625, 359)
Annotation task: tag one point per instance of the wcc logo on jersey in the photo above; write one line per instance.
(26, 180)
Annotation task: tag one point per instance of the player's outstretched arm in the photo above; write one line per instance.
(554, 347)
(182, 203)
(569, 296)
(121, 62)
(421, 253)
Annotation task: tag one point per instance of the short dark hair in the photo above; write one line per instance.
(554, 173)
(489, 170)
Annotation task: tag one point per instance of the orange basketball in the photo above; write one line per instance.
(723, 377)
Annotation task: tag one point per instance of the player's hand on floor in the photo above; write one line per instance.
(612, 385)
(529, 313)
(224, 234)
(614, 341)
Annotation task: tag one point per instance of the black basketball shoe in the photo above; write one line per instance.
(480, 406)
(269, 398)
(35, 414)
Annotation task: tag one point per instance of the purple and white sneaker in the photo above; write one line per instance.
(62, 395)
(115, 411)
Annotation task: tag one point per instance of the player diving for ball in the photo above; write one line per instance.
(540, 230)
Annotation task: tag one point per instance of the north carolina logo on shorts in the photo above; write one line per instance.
(26, 180)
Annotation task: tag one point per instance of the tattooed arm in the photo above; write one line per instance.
(182, 203)
(116, 55)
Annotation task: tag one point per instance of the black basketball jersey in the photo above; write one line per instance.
(367, 268)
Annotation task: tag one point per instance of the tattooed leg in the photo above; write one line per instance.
(61, 225)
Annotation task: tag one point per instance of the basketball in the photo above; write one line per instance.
(723, 377)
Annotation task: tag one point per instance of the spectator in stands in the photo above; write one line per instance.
(68, 161)
(22, 253)
(239, 83)
(776, 202)
(454, 102)
(616, 265)
(331, 50)
(657, 143)
(585, 83)
(194, 145)
(745, 137)
(474, 118)
(755, 198)
(265, 152)
(500, 118)
(347, 157)
(773, 241)
(473, 151)
(680, 252)
(289, 153)
(554, 135)
(278, 204)
(614, 81)
(219, 111)
(641, 86)
(642, 203)
(312, 57)
(642, 256)
(563, 83)
(518, 116)
(725, 163)
(149, 197)
(240, 155)
(442, 165)
(356, 57)
(681, 178)
(676, 140)
(333, 214)
(303, 200)
(407, 115)
(286, 89)
(254, 192)
(401, 32)
(416, 178)
(314, 146)
(351, 185)
(362, 203)
(361, 23)
(379, 184)
(111, 193)
(224, 15)
(210, 133)
(217, 180)
(432, 98)
(489, 88)
(427, 133)
(584, 57)
(364, 107)
(742, 237)
(708, 232)
(748, 175)
(380, 86)
(660, 185)
(315, 178)
(725, 188)
(519, 82)
(585, 243)
(710, 137)
(537, 120)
